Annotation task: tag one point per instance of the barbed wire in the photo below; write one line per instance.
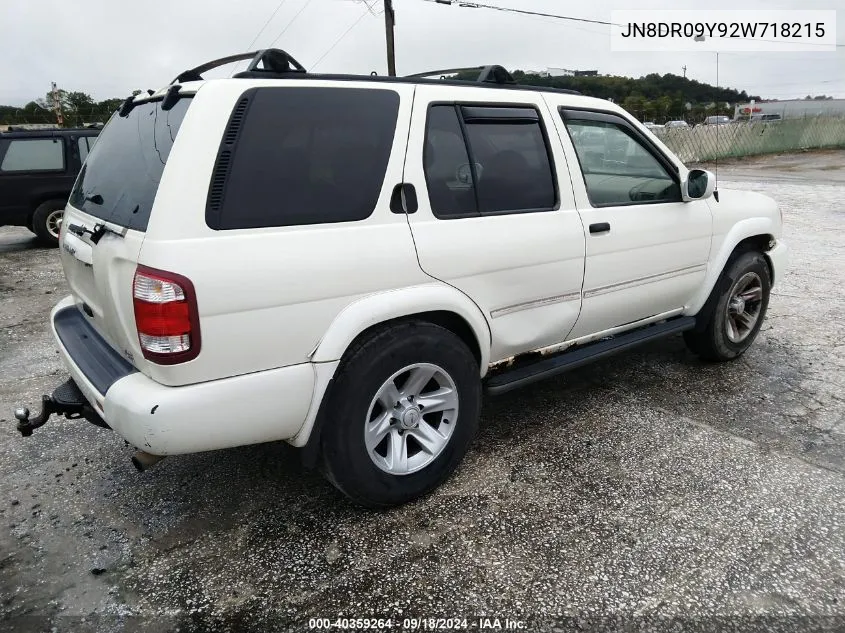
(21, 116)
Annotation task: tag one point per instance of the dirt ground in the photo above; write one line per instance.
(648, 491)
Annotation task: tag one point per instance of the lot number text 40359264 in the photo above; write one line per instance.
(418, 624)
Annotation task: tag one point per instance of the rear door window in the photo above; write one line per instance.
(120, 178)
(34, 154)
(296, 156)
(515, 169)
(487, 160)
(447, 172)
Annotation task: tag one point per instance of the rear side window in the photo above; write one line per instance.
(447, 172)
(85, 143)
(487, 160)
(34, 154)
(120, 178)
(295, 156)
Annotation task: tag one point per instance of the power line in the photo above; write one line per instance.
(284, 30)
(345, 33)
(476, 5)
(266, 24)
(759, 39)
(257, 35)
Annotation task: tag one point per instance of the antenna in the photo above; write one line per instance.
(718, 125)
(700, 38)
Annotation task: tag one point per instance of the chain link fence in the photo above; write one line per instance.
(709, 142)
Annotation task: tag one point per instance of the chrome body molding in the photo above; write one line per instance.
(633, 283)
(535, 303)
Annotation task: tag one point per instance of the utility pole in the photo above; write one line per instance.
(389, 22)
(57, 106)
(685, 72)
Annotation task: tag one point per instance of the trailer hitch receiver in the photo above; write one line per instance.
(67, 400)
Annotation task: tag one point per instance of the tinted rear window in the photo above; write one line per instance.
(125, 165)
(35, 154)
(302, 156)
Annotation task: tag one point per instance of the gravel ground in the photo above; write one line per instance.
(650, 491)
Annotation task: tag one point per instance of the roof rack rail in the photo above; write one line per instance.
(486, 74)
(273, 61)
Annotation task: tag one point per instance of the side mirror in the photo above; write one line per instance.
(699, 185)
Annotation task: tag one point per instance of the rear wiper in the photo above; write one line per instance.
(96, 199)
(96, 233)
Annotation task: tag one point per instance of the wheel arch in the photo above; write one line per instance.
(753, 234)
(442, 305)
(439, 304)
(761, 244)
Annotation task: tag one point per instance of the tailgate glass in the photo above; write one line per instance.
(119, 180)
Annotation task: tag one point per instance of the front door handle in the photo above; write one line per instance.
(601, 227)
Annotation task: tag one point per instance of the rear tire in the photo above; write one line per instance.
(401, 414)
(739, 302)
(47, 222)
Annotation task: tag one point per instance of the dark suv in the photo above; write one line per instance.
(37, 171)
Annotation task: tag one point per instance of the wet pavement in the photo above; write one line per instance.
(649, 491)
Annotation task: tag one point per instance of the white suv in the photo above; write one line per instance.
(346, 262)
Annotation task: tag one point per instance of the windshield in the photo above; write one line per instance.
(119, 180)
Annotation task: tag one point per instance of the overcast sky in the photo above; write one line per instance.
(108, 48)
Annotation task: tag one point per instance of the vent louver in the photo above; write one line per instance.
(217, 188)
(235, 122)
(218, 180)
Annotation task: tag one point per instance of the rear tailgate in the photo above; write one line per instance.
(100, 278)
(106, 218)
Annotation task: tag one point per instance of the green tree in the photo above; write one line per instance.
(77, 107)
(635, 104)
(662, 106)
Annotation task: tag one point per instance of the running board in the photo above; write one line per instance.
(582, 355)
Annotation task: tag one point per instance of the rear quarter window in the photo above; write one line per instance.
(295, 156)
(33, 154)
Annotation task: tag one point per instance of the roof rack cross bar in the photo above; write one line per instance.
(274, 60)
(492, 74)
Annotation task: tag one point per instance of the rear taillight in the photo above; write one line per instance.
(166, 316)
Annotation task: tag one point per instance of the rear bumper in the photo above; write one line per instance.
(260, 407)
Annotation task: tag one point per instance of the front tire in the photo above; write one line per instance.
(47, 222)
(739, 303)
(401, 414)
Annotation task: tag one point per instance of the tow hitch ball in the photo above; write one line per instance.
(67, 400)
(48, 407)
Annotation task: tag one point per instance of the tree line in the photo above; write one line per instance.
(78, 108)
(653, 97)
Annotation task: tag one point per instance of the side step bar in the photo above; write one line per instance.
(564, 361)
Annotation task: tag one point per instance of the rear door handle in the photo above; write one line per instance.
(404, 198)
(601, 227)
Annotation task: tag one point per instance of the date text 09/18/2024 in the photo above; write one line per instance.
(418, 624)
